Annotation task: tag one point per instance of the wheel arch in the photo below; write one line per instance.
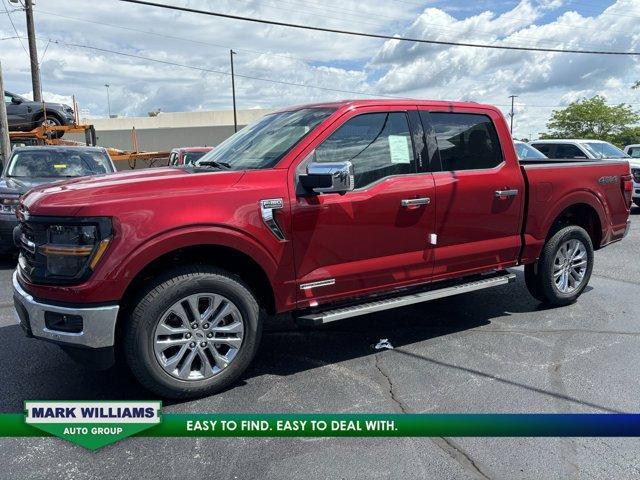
(232, 251)
(583, 215)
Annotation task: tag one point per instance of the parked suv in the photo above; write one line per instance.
(327, 211)
(32, 166)
(25, 115)
(591, 150)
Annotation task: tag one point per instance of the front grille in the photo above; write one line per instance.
(636, 174)
(31, 264)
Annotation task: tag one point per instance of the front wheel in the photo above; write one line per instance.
(564, 268)
(193, 332)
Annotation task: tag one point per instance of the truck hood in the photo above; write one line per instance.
(72, 196)
(19, 185)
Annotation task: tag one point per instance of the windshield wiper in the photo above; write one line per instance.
(215, 164)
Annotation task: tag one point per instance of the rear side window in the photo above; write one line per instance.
(544, 148)
(566, 150)
(377, 144)
(466, 141)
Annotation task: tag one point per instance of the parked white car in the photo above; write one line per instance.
(634, 152)
(593, 150)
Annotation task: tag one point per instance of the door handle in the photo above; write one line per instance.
(414, 202)
(506, 193)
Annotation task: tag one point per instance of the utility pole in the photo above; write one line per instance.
(108, 100)
(512, 97)
(233, 93)
(5, 145)
(33, 52)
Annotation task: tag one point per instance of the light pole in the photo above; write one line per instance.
(233, 93)
(512, 97)
(108, 100)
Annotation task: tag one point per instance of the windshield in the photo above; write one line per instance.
(191, 157)
(264, 143)
(58, 163)
(527, 152)
(604, 150)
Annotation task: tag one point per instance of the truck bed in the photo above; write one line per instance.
(554, 185)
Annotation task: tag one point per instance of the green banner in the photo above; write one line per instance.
(103, 430)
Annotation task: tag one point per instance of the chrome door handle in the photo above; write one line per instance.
(413, 202)
(506, 193)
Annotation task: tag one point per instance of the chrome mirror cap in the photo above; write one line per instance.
(333, 177)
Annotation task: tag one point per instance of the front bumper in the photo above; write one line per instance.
(98, 323)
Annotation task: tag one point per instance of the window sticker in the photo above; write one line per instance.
(399, 148)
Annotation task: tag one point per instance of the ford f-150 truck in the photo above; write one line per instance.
(327, 211)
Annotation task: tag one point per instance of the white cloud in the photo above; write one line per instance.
(541, 80)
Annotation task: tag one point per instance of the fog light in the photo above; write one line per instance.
(63, 322)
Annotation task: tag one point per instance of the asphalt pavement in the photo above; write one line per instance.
(491, 351)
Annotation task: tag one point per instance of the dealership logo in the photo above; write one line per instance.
(92, 424)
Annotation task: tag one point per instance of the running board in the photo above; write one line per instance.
(327, 316)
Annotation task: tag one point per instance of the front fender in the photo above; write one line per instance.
(173, 240)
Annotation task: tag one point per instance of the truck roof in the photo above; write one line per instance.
(382, 101)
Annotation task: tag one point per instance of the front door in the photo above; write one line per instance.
(375, 237)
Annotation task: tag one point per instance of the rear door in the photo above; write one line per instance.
(479, 192)
(375, 237)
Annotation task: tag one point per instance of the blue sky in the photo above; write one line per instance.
(323, 63)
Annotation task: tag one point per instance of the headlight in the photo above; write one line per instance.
(63, 251)
(8, 204)
(71, 248)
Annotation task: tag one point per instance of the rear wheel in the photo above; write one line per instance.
(52, 121)
(193, 333)
(564, 268)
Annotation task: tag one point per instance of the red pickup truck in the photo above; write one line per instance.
(327, 211)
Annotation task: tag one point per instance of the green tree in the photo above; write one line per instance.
(593, 118)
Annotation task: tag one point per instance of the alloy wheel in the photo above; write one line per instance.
(570, 266)
(198, 336)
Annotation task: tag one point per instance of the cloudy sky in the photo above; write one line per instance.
(325, 66)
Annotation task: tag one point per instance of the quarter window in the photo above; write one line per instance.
(466, 141)
(377, 144)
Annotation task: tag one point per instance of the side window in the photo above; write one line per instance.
(634, 152)
(565, 150)
(466, 141)
(544, 148)
(7, 98)
(378, 145)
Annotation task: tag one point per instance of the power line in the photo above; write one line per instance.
(376, 35)
(221, 72)
(6, 10)
(250, 77)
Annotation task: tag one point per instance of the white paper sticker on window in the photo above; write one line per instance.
(399, 148)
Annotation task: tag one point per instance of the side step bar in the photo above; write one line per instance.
(319, 318)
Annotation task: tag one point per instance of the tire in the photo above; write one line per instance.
(540, 279)
(637, 202)
(52, 121)
(154, 313)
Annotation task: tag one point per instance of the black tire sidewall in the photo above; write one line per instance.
(545, 267)
(146, 315)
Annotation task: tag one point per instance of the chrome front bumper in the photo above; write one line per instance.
(98, 323)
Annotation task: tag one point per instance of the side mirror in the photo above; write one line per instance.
(16, 101)
(334, 177)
